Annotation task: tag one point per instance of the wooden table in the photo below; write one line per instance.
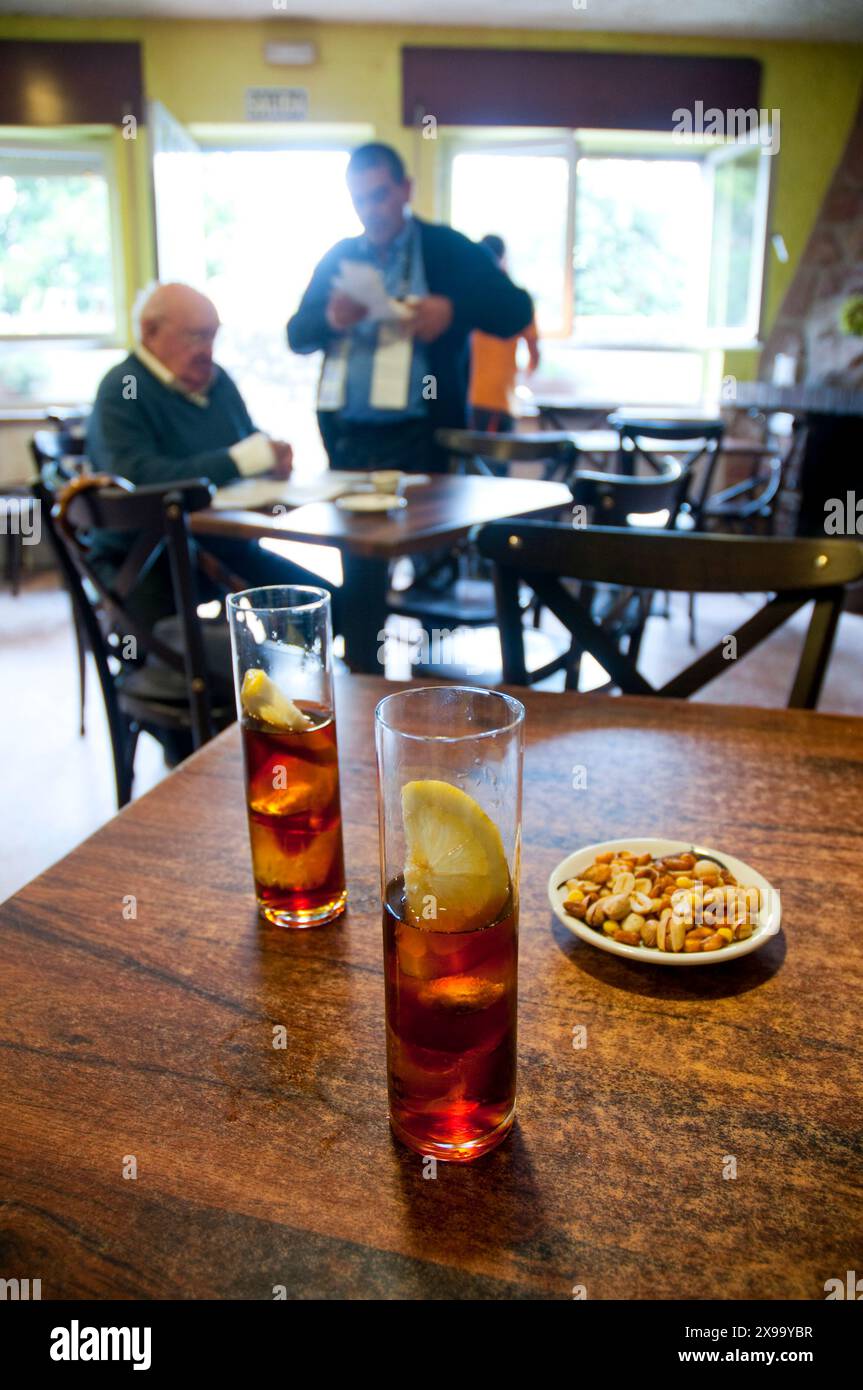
(828, 435)
(153, 1037)
(439, 513)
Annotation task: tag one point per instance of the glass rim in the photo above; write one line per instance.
(515, 707)
(319, 597)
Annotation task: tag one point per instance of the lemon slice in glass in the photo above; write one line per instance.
(456, 875)
(262, 699)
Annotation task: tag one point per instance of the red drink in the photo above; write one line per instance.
(451, 1030)
(295, 825)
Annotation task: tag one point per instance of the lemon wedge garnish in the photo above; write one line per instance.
(304, 870)
(456, 875)
(262, 699)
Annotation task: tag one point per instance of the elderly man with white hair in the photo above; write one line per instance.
(168, 412)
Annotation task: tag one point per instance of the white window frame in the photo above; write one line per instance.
(709, 152)
(20, 156)
(749, 336)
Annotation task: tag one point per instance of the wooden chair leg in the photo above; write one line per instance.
(81, 642)
(124, 742)
(815, 657)
(692, 636)
(16, 556)
(637, 634)
(573, 668)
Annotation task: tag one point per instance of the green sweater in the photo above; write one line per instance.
(142, 430)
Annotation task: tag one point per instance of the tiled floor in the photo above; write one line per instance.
(57, 787)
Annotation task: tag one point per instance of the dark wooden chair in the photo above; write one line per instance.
(173, 674)
(702, 442)
(609, 499)
(543, 555)
(747, 507)
(698, 444)
(494, 454)
(467, 599)
(612, 499)
(58, 458)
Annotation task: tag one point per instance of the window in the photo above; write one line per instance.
(522, 194)
(268, 217)
(630, 243)
(58, 273)
(640, 254)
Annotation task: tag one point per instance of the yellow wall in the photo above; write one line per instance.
(200, 71)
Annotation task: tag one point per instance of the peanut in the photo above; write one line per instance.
(713, 943)
(648, 932)
(677, 932)
(598, 873)
(675, 903)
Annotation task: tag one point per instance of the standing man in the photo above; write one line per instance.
(388, 383)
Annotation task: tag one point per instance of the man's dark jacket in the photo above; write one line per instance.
(483, 297)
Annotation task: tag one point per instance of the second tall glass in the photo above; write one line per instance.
(282, 644)
(449, 779)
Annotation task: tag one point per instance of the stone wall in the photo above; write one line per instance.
(830, 269)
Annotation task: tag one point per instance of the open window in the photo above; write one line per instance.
(632, 244)
(739, 179)
(178, 199)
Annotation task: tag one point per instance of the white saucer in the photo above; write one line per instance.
(371, 502)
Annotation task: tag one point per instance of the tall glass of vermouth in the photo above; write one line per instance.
(449, 800)
(281, 639)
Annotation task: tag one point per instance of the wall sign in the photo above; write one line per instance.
(277, 103)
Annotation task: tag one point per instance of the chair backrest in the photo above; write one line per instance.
(543, 554)
(59, 446)
(557, 451)
(701, 441)
(155, 518)
(610, 499)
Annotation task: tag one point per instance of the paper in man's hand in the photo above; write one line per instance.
(364, 284)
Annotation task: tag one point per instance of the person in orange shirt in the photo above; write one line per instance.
(493, 366)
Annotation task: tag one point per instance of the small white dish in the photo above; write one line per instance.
(769, 917)
(371, 502)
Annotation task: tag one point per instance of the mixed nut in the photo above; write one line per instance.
(676, 902)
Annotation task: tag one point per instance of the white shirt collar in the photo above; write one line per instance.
(167, 377)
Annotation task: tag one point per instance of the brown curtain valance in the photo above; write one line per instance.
(611, 91)
(69, 83)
